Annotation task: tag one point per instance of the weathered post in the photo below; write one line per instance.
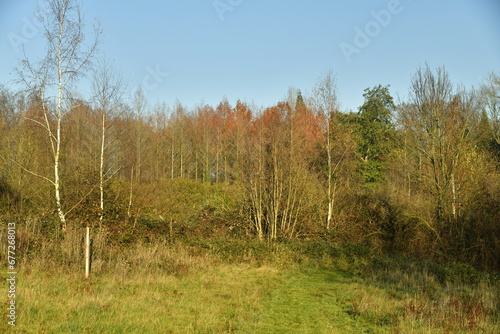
(87, 252)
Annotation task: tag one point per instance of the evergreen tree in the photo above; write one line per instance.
(375, 132)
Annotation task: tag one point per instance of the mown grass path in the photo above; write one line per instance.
(313, 301)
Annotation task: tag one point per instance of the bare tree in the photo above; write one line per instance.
(52, 78)
(179, 150)
(440, 122)
(107, 87)
(490, 93)
(327, 105)
(139, 104)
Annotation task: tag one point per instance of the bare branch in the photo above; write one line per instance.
(31, 172)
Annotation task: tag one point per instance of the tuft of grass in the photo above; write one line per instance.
(452, 298)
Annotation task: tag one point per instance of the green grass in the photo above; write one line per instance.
(166, 289)
(202, 302)
(314, 301)
(229, 298)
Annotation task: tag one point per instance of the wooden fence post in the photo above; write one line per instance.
(87, 252)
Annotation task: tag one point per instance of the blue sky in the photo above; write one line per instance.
(255, 50)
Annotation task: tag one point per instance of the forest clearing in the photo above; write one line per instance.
(120, 215)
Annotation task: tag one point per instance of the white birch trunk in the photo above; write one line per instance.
(57, 153)
(101, 166)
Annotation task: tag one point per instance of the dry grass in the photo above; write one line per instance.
(156, 290)
(177, 288)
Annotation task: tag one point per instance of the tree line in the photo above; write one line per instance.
(419, 176)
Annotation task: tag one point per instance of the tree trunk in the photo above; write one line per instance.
(101, 168)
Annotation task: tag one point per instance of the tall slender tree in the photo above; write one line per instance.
(327, 106)
(51, 80)
(107, 87)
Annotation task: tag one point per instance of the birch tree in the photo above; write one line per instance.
(53, 77)
(327, 105)
(107, 87)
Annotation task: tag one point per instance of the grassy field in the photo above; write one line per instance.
(177, 289)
